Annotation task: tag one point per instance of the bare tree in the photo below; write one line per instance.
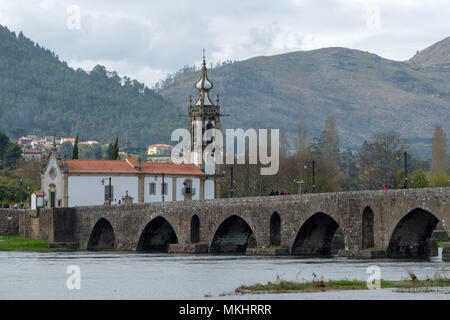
(331, 143)
(439, 161)
(301, 137)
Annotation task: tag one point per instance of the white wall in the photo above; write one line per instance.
(158, 181)
(88, 190)
(33, 202)
(195, 185)
(58, 182)
(209, 189)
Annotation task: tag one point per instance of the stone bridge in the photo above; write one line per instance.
(396, 222)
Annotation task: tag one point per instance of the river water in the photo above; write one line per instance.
(130, 275)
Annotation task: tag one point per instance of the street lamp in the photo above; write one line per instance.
(9, 219)
(21, 200)
(299, 182)
(405, 155)
(109, 191)
(313, 173)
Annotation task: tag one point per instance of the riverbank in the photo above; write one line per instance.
(22, 244)
(283, 286)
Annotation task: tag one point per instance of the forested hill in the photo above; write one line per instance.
(365, 92)
(42, 95)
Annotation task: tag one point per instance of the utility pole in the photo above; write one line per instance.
(406, 170)
(21, 197)
(231, 182)
(313, 173)
(109, 191)
(163, 187)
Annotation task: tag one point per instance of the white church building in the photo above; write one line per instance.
(70, 183)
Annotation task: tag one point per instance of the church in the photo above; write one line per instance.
(70, 183)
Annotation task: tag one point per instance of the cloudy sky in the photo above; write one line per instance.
(148, 39)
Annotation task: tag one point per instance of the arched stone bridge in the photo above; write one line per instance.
(399, 222)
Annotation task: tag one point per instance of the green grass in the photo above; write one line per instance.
(440, 242)
(21, 244)
(319, 285)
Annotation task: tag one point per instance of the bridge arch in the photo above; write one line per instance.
(315, 236)
(368, 239)
(156, 236)
(410, 238)
(102, 236)
(275, 229)
(233, 235)
(195, 229)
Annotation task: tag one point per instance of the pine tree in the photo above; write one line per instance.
(439, 157)
(115, 150)
(75, 149)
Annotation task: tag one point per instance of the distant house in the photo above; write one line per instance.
(89, 143)
(44, 147)
(32, 155)
(64, 140)
(159, 152)
(24, 141)
(159, 149)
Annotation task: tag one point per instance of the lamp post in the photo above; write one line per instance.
(9, 220)
(313, 173)
(231, 182)
(405, 155)
(21, 200)
(163, 187)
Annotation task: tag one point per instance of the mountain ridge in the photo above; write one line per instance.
(365, 92)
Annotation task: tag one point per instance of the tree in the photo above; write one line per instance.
(115, 150)
(109, 151)
(377, 161)
(284, 146)
(439, 161)
(66, 150)
(331, 141)
(12, 155)
(418, 179)
(4, 140)
(301, 137)
(75, 149)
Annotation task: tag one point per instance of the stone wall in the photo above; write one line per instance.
(13, 224)
(344, 208)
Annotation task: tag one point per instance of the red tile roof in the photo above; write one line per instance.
(32, 151)
(171, 168)
(130, 165)
(39, 193)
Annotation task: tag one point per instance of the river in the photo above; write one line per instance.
(131, 275)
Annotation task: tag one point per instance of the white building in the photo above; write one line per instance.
(69, 183)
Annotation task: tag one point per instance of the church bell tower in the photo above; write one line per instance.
(204, 115)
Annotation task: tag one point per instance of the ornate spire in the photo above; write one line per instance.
(204, 85)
